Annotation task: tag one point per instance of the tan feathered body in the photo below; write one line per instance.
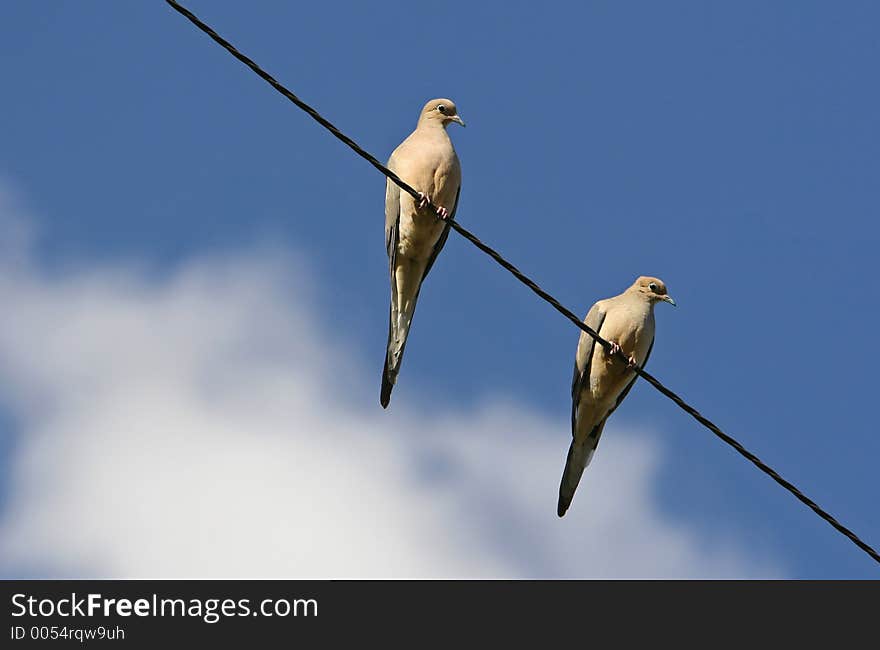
(601, 381)
(426, 159)
(629, 322)
(414, 236)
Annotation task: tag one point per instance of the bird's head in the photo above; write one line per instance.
(440, 111)
(653, 289)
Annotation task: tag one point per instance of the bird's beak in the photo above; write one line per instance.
(456, 118)
(669, 300)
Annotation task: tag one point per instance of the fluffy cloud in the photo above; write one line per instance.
(207, 424)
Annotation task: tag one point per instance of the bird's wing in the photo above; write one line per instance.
(583, 360)
(392, 219)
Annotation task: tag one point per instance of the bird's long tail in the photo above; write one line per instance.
(579, 456)
(399, 321)
(393, 357)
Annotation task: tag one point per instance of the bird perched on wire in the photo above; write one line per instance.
(414, 235)
(602, 379)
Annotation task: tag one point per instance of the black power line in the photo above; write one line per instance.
(519, 275)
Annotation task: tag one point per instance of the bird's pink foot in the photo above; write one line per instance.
(631, 362)
(614, 349)
(424, 200)
(443, 213)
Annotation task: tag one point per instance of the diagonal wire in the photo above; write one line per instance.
(519, 275)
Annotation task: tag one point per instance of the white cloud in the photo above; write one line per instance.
(210, 424)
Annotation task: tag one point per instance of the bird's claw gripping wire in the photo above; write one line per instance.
(425, 200)
(614, 350)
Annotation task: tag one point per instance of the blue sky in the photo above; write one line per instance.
(731, 149)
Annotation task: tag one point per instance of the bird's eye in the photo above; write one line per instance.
(442, 109)
(653, 287)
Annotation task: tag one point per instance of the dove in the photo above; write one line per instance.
(414, 235)
(601, 379)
